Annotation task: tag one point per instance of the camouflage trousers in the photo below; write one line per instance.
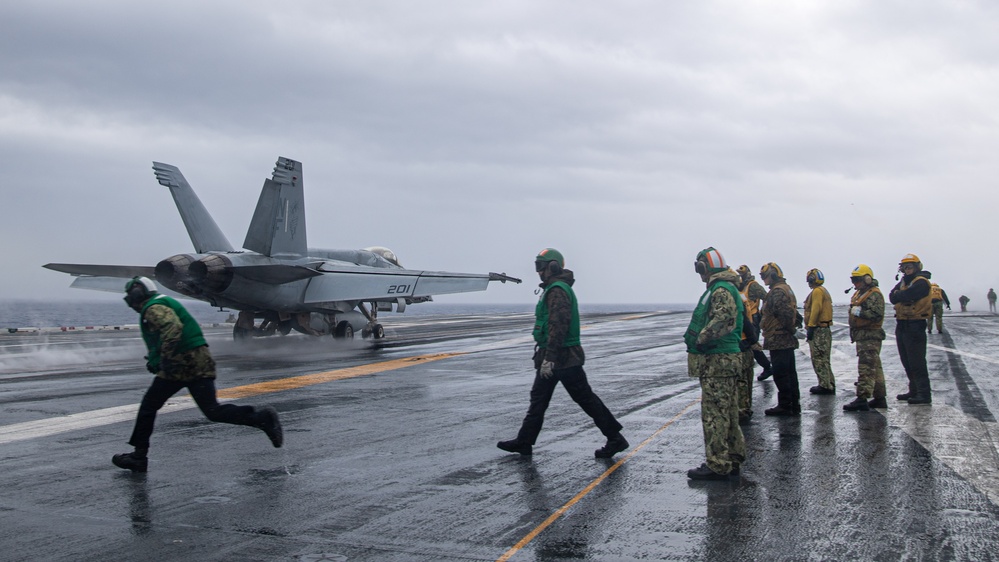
(871, 378)
(937, 314)
(821, 348)
(744, 382)
(723, 440)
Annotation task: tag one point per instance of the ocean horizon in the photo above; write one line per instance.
(24, 313)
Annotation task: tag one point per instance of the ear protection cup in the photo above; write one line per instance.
(554, 268)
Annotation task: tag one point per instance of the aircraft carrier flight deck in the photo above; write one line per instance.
(390, 452)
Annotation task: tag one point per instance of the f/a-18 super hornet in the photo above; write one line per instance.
(278, 279)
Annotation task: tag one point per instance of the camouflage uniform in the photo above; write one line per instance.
(745, 383)
(866, 330)
(724, 444)
(779, 313)
(176, 365)
(175, 370)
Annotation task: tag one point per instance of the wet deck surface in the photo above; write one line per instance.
(396, 460)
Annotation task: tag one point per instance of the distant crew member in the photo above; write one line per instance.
(964, 303)
(938, 298)
(911, 297)
(866, 316)
(780, 314)
(715, 358)
(992, 301)
(818, 319)
(750, 340)
(179, 357)
(753, 294)
(558, 357)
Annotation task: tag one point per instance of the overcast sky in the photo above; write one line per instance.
(466, 136)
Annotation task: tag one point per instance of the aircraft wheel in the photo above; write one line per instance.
(343, 331)
(284, 328)
(240, 334)
(378, 331)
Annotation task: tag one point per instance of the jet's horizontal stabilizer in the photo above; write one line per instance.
(119, 271)
(503, 278)
(275, 274)
(205, 234)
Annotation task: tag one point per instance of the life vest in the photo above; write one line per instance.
(541, 318)
(729, 343)
(919, 310)
(858, 299)
(825, 313)
(752, 305)
(936, 293)
(190, 336)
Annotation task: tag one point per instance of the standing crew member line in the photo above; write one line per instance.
(559, 357)
(818, 319)
(179, 357)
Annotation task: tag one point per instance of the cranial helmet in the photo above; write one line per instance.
(769, 269)
(138, 290)
(861, 271)
(744, 272)
(911, 258)
(709, 260)
(546, 257)
(815, 276)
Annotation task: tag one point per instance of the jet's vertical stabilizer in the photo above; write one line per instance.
(205, 234)
(278, 225)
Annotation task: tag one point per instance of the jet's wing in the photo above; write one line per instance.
(119, 271)
(352, 283)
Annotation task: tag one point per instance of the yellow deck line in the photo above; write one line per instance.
(589, 488)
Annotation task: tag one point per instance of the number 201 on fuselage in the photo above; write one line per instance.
(399, 289)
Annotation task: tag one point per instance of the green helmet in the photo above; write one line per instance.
(548, 255)
(138, 290)
(709, 260)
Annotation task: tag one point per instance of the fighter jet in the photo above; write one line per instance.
(277, 278)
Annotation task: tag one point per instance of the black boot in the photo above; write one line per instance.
(921, 399)
(267, 420)
(614, 445)
(905, 395)
(514, 446)
(858, 405)
(878, 403)
(704, 473)
(766, 374)
(136, 462)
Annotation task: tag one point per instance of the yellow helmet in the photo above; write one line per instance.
(744, 272)
(910, 258)
(769, 269)
(815, 276)
(862, 272)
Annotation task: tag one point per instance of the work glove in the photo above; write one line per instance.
(856, 311)
(702, 347)
(546, 369)
(810, 333)
(948, 307)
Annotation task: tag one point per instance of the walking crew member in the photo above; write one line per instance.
(715, 358)
(558, 357)
(780, 311)
(818, 318)
(179, 357)
(911, 297)
(938, 298)
(753, 294)
(867, 313)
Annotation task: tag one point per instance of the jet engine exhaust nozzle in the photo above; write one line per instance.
(212, 274)
(174, 274)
